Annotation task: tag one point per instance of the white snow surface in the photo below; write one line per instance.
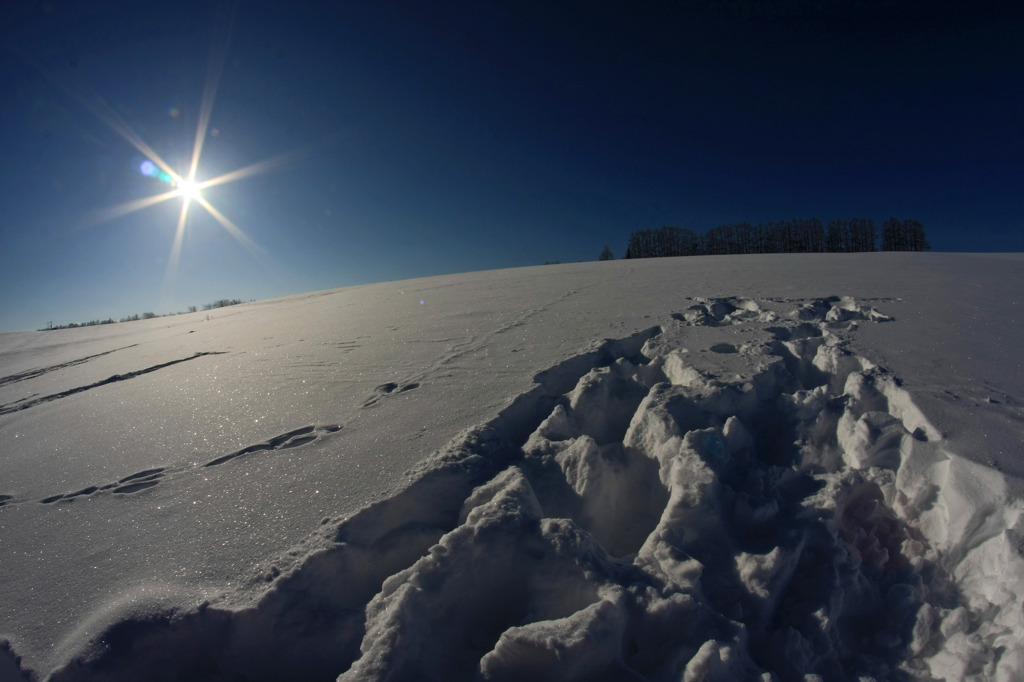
(751, 467)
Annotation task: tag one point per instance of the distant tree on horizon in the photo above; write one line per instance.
(863, 235)
(137, 316)
(667, 241)
(222, 303)
(904, 235)
(606, 253)
(799, 235)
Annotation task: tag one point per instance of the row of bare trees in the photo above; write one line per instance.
(134, 317)
(800, 235)
(906, 235)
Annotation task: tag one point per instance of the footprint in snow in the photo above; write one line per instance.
(630, 502)
(285, 441)
(140, 481)
(839, 311)
(128, 484)
(150, 478)
(390, 388)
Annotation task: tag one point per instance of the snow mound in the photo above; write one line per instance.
(733, 495)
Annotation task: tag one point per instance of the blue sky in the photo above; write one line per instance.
(423, 139)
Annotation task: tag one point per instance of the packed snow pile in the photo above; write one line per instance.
(733, 493)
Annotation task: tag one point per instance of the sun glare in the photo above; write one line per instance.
(189, 190)
(183, 185)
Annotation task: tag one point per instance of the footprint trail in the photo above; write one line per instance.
(388, 389)
(286, 441)
(734, 495)
(459, 350)
(150, 478)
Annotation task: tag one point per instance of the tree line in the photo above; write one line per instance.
(800, 235)
(135, 317)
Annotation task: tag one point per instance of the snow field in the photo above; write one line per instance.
(732, 495)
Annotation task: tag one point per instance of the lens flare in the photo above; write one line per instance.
(184, 185)
(181, 185)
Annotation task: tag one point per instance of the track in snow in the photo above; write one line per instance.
(150, 478)
(39, 371)
(732, 494)
(26, 404)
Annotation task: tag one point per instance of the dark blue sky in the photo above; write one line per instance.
(427, 138)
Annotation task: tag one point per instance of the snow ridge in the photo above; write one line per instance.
(734, 495)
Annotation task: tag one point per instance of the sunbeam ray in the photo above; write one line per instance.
(106, 114)
(172, 261)
(214, 70)
(99, 107)
(186, 185)
(231, 228)
(273, 162)
(258, 167)
(124, 209)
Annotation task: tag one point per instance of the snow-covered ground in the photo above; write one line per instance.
(701, 468)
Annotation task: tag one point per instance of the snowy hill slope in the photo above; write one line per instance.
(665, 469)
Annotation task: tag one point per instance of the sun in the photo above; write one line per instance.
(182, 185)
(189, 190)
(185, 185)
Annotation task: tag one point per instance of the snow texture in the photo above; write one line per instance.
(732, 493)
